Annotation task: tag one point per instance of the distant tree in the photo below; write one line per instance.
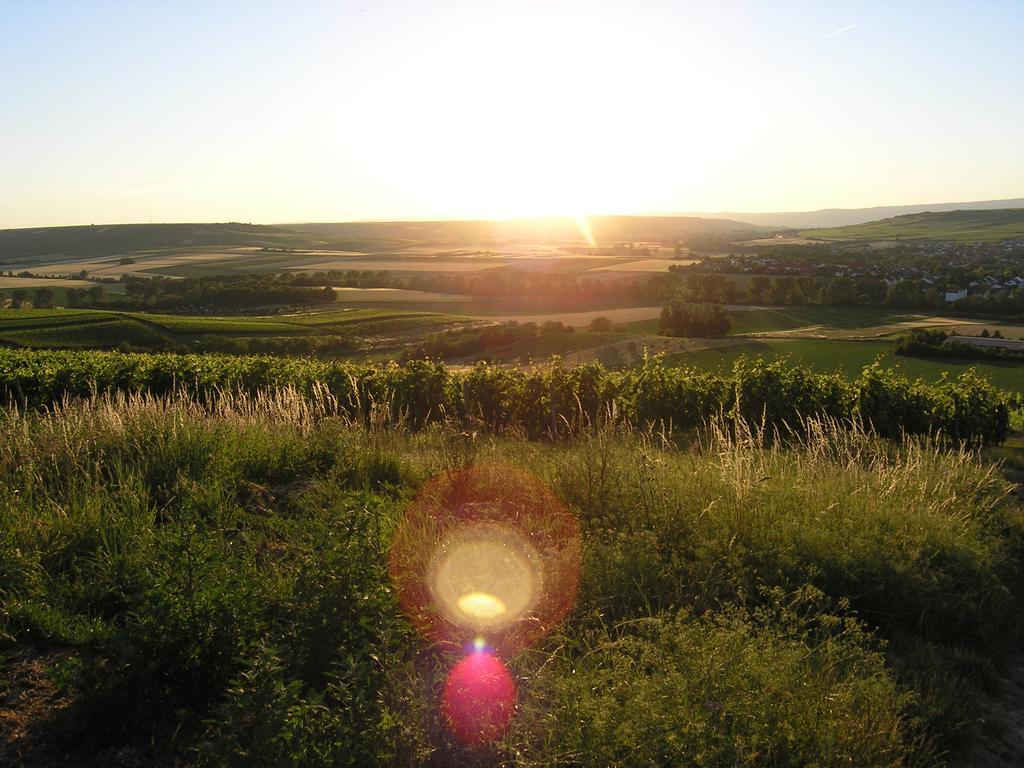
(552, 327)
(757, 291)
(601, 324)
(841, 291)
(18, 297)
(77, 297)
(96, 294)
(711, 288)
(781, 290)
(804, 291)
(905, 293)
(679, 318)
(43, 297)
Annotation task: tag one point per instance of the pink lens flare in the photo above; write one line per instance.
(479, 698)
(485, 562)
(486, 552)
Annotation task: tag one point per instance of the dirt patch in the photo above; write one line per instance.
(28, 698)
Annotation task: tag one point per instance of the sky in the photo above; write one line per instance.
(295, 111)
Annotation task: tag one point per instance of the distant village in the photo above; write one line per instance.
(956, 270)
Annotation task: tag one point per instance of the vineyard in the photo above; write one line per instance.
(544, 401)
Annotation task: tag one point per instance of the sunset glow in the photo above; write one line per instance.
(398, 110)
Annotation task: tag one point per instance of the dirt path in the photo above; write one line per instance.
(28, 697)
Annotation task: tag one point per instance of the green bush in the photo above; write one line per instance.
(727, 690)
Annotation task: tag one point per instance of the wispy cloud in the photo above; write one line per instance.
(840, 31)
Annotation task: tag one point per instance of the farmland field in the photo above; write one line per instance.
(822, 338)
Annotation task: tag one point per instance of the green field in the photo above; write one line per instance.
(849, 357)
(100, 329)
(823, 338)
(789, 318)
(960, 226)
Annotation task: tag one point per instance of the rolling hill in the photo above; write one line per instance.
(841, 217)
(117, 239)
(605, 229)
(959, 226)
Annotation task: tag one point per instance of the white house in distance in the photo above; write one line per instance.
(952, 296)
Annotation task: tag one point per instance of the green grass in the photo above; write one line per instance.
(788, 318)
(960, 226)
(209, 585)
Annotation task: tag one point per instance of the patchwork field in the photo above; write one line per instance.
(822, 338)
(196, 262)
(646, 265)
(99, 329)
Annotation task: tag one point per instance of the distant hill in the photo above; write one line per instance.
(114, 239)
(841, 217)
(960, 226)
(605, 229)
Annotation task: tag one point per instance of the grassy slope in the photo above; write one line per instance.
(219, 583)
(100, 329)
(961, 226)
(19, 244)
(104, 240)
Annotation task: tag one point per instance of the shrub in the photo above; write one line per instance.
(731, 690)
(680, 318)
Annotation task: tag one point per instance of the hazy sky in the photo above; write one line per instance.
(302, 111)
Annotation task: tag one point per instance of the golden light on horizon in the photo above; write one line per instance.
(584, 226)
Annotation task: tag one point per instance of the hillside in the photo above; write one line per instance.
(841, 217)
(118, 239)
(114, 239)
(958, 226)
(605, 229)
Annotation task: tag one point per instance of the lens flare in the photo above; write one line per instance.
(485, 576)
(485, 561)
(584, 226)
(486, 551)
(480, 605)
(479, 697)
